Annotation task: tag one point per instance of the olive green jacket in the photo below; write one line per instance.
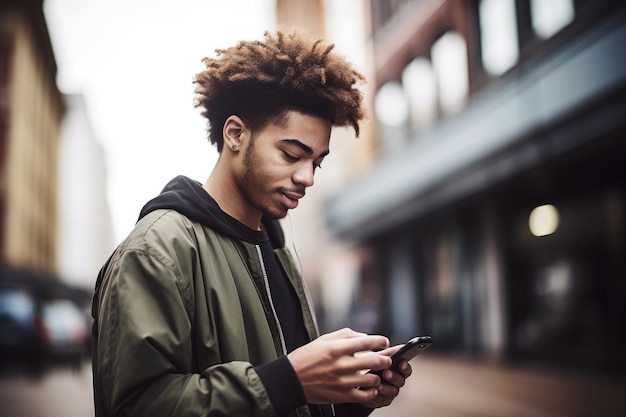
(181, 318)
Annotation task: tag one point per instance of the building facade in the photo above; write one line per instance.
(31, 112)
(85, 237)
(494, 216)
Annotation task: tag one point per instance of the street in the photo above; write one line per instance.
(451, 387)
(59, 392)
(439, 387)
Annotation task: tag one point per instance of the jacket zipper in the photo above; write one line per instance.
(266, 281)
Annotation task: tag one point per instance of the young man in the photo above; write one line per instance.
(201, 311)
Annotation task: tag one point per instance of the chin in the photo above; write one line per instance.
(275, 214)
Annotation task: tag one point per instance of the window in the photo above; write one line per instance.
(549, 17)
(449, 58)
(392, 107)
(498, 35)
(420, 84)
(392, 111)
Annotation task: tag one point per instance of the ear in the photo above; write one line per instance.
(233, 132)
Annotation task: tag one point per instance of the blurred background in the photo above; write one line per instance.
(483, 203)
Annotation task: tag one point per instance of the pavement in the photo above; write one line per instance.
(58, 392)
(439, 387)
(448, 387)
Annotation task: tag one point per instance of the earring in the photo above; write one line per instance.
(234, 147)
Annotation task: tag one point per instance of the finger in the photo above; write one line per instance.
(386, 394)
(363, 395)
(390, 350)
(368, 380)
(362, 363)
(393, 378)
(344, 333)
(405, 369)
(388, 390)
(364, 343)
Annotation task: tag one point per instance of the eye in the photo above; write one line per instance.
(317, 165)
(289, 157)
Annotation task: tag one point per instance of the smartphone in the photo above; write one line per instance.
(411, 349)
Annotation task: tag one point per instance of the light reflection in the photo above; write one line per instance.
(543, 220)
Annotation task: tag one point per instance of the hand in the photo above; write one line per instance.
(389, 388)
(330, 372)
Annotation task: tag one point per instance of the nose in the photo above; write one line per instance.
(304, 175)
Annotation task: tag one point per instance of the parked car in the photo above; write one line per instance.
(64, 330)
(20, 340)
(43, 320)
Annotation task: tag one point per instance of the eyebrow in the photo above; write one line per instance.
(306, 148)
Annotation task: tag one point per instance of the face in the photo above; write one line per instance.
(280, 161)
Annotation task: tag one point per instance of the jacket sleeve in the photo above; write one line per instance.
(352, 410)
(143, 349)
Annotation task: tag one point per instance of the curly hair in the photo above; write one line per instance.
(260, 81)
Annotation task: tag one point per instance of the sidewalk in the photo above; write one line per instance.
(61, 392)
(439, 387)
(443, 387)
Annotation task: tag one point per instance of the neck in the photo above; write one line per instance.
(230, 199)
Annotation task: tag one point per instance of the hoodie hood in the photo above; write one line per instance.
(190, 199)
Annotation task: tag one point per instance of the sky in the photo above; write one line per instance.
(134, 62)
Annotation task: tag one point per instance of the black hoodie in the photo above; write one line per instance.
(187, 197)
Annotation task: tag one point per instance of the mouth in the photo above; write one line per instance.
(291, 199)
